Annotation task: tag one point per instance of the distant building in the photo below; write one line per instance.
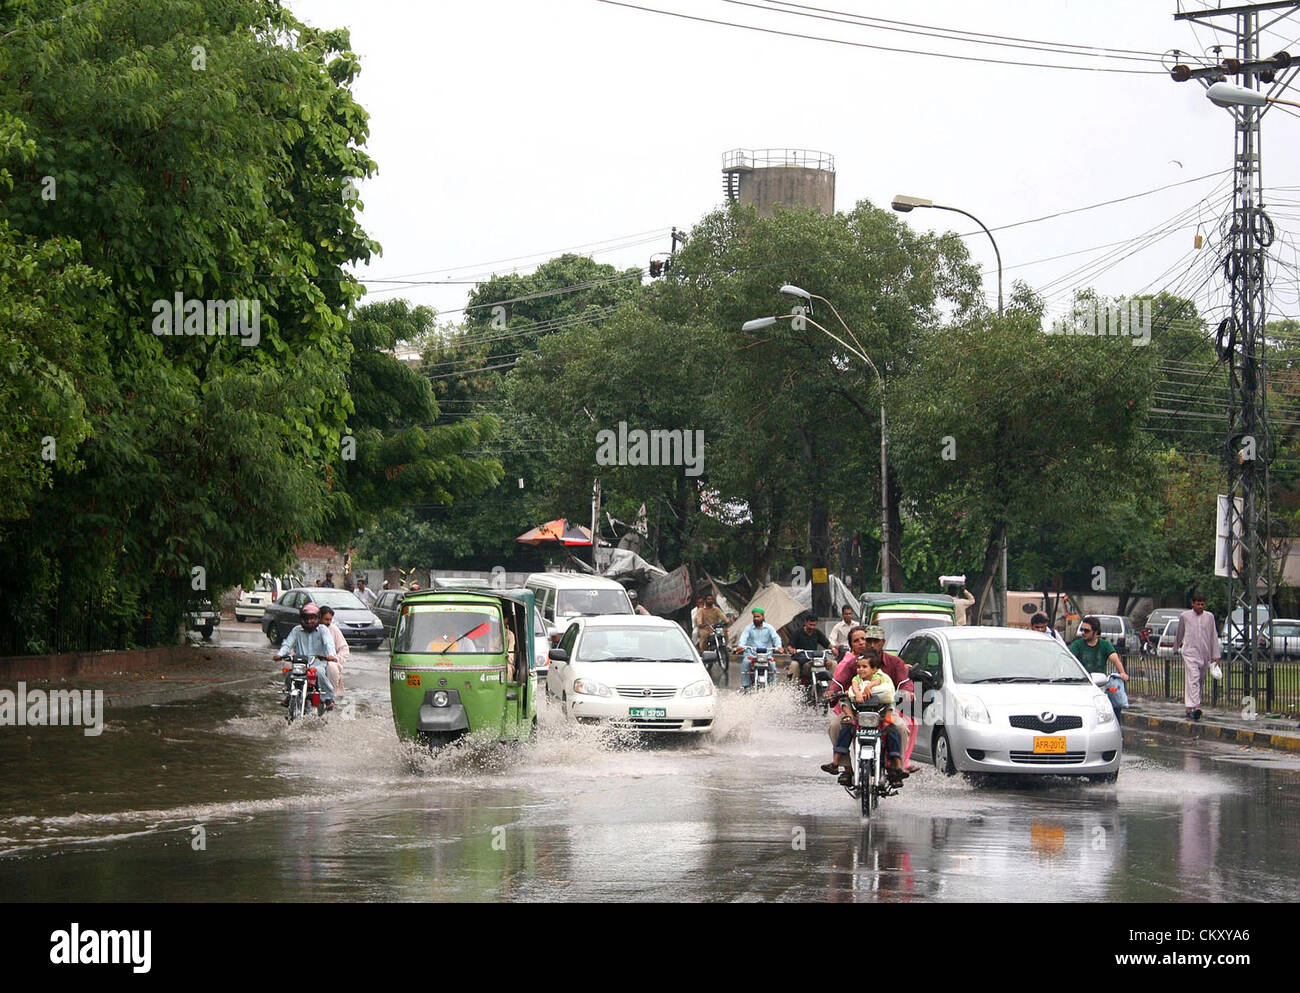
(770, 178)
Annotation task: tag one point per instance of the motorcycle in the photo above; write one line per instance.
(760, 661)
(819, 677)
(300, 676)
(867, 755)
(717, 643)
(1147, 644)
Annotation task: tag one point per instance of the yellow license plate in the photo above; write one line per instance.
(414, 680)
(1049, 744)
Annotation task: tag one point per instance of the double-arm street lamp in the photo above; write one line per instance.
(855, 349)
(904, 204)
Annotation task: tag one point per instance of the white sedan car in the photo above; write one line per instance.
(638, 670)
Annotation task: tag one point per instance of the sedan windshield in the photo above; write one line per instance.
(592, 603)
(338, 599)
(1014, 660)
(633, 644)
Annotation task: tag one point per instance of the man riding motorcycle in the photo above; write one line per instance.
(808, 639)
(871, 641)
(314, 641)
(757, 634)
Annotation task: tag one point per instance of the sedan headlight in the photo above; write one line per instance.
(1105, 712)
(702, 687)
(972, 708)
(589, 687)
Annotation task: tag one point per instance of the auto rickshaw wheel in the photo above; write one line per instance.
(532, 731)
(436, 741)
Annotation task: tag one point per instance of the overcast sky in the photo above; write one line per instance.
(507, 131)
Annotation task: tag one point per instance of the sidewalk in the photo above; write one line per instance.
(188, 675)
(1224, 725)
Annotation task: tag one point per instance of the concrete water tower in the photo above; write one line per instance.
(779, 177)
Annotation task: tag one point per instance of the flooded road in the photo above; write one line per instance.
(219, 800)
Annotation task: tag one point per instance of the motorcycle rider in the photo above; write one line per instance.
(871, 641)
(808, 639)
(757, 635)
(341, 648)
(705, 617)
(315, 642)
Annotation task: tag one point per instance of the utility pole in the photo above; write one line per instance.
(1241, 341)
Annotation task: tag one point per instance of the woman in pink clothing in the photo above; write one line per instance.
(341, 648)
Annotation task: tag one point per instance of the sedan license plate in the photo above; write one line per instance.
(413, 679)
(646, 712)
(1049, 744)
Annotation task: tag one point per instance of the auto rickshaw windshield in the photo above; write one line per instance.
(449, 629)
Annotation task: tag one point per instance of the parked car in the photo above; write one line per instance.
(1010, 702)
(1233, 634)
(1158, 618)
(1168, 637)
(1119, 631)
(1285, 633)
(358, 624)
(204, 619)
(252, 603)
(387, 608)
(634, 669)
(562, 596)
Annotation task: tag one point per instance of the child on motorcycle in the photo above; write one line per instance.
(871, 683)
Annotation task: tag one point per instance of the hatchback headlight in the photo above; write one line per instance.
(1105, 712)
(972, 708)
(702, 687)
(589, 687)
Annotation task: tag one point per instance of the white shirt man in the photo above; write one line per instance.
(365, 594)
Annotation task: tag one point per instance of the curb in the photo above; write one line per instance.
(1221, 732)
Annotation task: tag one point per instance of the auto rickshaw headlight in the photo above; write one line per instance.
(702, 687)
(440, 698)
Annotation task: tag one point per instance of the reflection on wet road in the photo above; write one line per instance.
(218, 800)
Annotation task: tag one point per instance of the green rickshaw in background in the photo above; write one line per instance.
(900, 614)
(462, 663)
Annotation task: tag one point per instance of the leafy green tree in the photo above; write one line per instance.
(205, 151)
(1008, 429)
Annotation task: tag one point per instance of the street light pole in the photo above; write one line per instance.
(766, 322)
(903, 204)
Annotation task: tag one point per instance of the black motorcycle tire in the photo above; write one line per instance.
(295, 707)
(867, 787)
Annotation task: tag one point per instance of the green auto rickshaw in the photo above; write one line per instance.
(462, 664)
(900, 614)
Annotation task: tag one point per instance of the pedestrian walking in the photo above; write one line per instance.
(1198, 641)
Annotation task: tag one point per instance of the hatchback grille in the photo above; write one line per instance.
(1032, 722)
(1031, 758)
(646, 692)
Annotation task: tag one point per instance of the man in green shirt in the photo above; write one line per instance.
(1095, 652)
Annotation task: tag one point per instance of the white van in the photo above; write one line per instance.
(562, 596)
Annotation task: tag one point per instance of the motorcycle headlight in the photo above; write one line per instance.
(589, 687)
(972, 708)
(440, 698)
(869, 718)
(702, 687)
(1105, 712)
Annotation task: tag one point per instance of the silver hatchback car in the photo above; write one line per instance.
(1010, 701)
